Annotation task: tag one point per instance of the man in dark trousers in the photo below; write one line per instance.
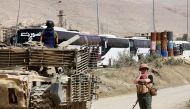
(143, 81)
(49, 37)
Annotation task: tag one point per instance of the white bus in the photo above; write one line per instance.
(112, 47)
(183, 47)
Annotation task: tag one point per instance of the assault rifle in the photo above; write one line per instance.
(135, 103)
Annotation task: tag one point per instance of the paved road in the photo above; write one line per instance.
(169, 98)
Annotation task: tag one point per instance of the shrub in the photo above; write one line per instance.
(123, 60)
(150, 58)
(172, 61)
(155, 60)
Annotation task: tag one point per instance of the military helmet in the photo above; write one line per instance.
(49, 24)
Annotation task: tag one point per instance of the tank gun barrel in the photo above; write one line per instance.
(69, 41)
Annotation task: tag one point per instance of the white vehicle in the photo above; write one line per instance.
(139, 48)
(111, 55)
(112, 47)
(184, 48)
(33, 34)
(186, 54)
(177, 43)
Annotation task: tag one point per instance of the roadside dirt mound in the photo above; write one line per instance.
(120, 81)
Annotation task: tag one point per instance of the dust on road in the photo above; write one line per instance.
(169, 98)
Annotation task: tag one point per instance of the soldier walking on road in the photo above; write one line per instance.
(143, 81)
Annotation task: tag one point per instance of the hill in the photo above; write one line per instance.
(119, 17)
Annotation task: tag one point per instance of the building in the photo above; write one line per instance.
(6, 33)
(3, 32)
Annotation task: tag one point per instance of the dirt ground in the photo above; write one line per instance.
(168, 98)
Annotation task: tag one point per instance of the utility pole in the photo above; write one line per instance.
(187, 19)
(18, 14)
(97, 14)
(154, 16)
(60, 15)
(17, 20)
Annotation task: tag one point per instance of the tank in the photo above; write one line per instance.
(36, 77)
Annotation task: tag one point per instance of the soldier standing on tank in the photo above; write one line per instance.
(49, 37)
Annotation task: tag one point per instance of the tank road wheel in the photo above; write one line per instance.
(40, 98)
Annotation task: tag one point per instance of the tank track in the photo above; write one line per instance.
(40, 98)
